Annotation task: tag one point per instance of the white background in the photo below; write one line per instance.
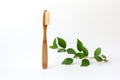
(95, 22)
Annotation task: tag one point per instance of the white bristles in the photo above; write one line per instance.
(47, 18)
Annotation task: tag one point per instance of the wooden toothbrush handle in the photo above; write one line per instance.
(44, 50)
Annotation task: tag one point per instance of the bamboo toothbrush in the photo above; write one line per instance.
(46, 21)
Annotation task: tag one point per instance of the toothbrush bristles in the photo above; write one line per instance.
(47, 18)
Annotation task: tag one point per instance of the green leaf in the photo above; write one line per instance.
(75, 56)
(103, 56)
(61, 42)
(68, 61)
(61, 50)
(71, 51)
(80, 55)
(55, 43)
(85, 62)
(98, 59)
(79, 45)
(54, 46)
(85, 51)
(105, 60)
(97, 52)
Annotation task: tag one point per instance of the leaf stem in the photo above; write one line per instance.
(90, 57)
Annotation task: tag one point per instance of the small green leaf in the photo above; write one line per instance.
(103, 56)
(79, 45)
(105, 60)
(55, 43)
(85, 62)
(98, 59)
(80, 55)
(75, 56)
(85, 51)
(61, 50)
(97, 52)
(71, 51)
(68, 61)
(61, 42)
(54, 46)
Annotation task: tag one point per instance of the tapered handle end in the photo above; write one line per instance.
(44, 66)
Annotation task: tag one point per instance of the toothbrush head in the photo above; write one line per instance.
(46, 18)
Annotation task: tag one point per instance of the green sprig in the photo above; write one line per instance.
(82, 53)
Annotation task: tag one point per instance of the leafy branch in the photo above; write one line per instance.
(82, 52)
